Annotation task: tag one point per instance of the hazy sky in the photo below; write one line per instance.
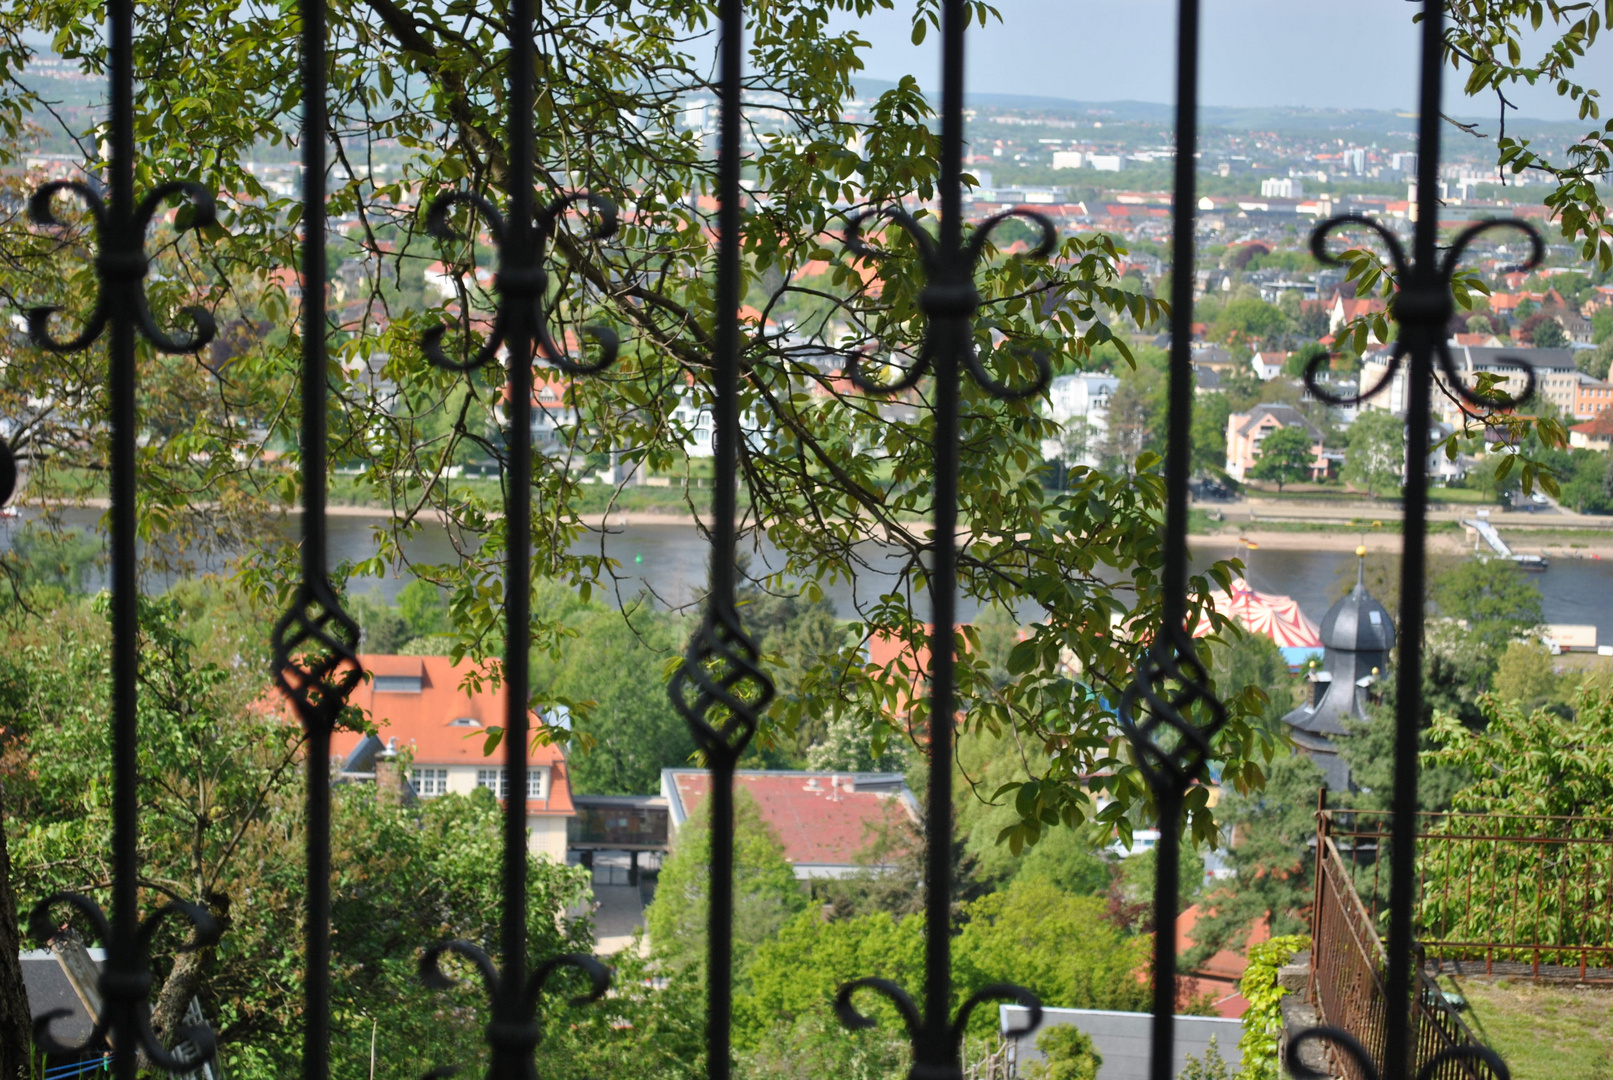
(1321, 53)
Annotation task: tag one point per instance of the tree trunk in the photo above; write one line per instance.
(168, 1015)
(16, 1027)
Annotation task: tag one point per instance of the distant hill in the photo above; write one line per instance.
(1367, 122)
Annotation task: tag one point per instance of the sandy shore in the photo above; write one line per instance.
(1443, 543)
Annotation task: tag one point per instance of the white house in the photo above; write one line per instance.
(1080, 405)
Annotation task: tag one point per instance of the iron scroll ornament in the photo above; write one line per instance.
(131, 989)
(1423, 308)
(908, 1009)
(520, 286)
(949, 293)
(521, 1039)
(949, 298)
(1362, 1057)
(515, 1040)
(122, 267)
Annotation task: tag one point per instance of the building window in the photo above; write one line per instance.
(537, 782)
(397, 684)
(429, 783)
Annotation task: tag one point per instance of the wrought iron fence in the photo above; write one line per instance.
(1348, 968)
(1170, 715)
(1515, 894)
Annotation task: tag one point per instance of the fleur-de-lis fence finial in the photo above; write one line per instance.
(949, 300)
(1423, 308)
(520, 330)
(122, 314)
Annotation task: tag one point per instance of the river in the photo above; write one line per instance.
(670, 560)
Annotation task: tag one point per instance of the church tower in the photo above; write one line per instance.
(1357, 636)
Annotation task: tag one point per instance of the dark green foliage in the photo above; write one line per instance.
(766, 894)
(1300, 361)
(1286, 457)
(1583, 476)
(1131, 894)
(626, 731)
(1067, 1054)
(1274, 869)
(1375, 460)
(221, 825)
(383, 628)
(1495, 598)
(1253, 660)
(1069, 857)
(1210, 413)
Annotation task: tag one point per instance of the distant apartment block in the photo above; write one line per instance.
(1246, 431)
(1592, 397)
(1107, 162)
(1284, 187)
(1080, 405)
(1068, 159)
(1557, 379)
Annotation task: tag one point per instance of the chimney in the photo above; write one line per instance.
(389, 778)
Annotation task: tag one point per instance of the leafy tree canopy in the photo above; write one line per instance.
(415, 89)
(1286, 457)
(766, 894)
(1375, 460)
(1497, 600)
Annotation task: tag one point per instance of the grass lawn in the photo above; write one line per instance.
(1543, 1032)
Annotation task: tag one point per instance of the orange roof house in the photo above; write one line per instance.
(420, 709)
(1595, 435)
(826, 821)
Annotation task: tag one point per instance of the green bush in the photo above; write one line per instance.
(1067, 1054)
(1264, 1020)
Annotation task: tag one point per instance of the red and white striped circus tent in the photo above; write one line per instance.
(1276, 617)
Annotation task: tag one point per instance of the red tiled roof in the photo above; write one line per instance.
(1220, 973)
(422, 722)
(1601, 427)
(819, 817)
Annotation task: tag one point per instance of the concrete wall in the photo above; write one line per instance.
(546, 835)
(1121, 1038)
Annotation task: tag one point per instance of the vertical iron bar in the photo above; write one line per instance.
(1426, 283)
(316, 1029)
(121, 266)
(725, 425)
(954, 334)
(1169, 800)
(519, 263)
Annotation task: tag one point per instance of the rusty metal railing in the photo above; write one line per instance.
(1501, 894)
(1349, 962)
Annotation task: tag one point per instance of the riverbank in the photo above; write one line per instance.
(1566, 544)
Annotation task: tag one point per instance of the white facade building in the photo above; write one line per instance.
(1080, 405)
(1282, 187)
